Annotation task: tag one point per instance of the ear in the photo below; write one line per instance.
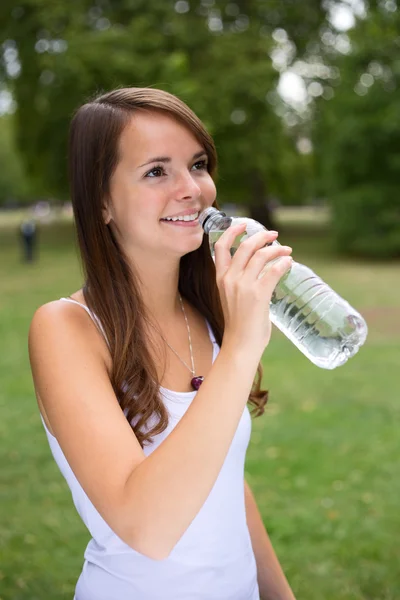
(106, 213)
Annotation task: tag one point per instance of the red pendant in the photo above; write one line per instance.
(196, 382)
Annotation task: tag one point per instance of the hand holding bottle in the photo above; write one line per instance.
(315, 318)
(244, 296)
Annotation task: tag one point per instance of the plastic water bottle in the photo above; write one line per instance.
(316, 319)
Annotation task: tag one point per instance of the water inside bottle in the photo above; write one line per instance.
(320, 323)
(214, 236)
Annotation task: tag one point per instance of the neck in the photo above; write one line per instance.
(159, 287)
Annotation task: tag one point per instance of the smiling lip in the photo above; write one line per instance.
(183, 223)
(188, 211)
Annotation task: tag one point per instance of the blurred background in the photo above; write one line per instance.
(303, 100)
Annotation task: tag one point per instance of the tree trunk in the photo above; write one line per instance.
(260, 207)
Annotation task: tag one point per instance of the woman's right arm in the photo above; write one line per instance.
(149, 502)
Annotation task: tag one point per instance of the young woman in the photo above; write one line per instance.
(153, 454)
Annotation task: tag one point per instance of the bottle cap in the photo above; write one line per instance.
(207, 213)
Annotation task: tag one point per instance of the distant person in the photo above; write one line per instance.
(154, 456)
(28, 236)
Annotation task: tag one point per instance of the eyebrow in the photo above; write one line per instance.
(166, 159)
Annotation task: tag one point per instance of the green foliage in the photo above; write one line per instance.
(216, 56)
(367, 220)
(357, 139)
(13, 185)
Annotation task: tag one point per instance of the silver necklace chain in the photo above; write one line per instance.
(192, 370)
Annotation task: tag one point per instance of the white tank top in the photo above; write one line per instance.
(213, 560)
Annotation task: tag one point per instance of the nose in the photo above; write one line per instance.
(186, 186)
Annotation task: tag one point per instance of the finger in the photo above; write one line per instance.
(247, 249)
(222, 248)
(264, 257)
(275, 272)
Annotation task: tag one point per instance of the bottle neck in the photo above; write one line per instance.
(215, 219)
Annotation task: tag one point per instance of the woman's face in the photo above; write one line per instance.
(162, 172)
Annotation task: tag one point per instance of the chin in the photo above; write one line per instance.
(186, 248)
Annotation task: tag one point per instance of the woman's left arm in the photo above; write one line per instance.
(272, 582)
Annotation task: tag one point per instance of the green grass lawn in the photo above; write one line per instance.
(323, 462)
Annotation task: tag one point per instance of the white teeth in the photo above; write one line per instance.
(192, 217)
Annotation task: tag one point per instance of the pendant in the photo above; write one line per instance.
(196, 382)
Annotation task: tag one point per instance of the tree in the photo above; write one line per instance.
(215, 56)
(13, 185)
(357, 138)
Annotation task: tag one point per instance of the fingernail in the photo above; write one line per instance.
(272, 231)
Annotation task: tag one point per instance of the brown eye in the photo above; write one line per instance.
(155, 172)
(200, 165)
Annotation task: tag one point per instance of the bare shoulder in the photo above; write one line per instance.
(56, 320)
(57, 311)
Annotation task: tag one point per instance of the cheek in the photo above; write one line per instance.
(131, 202)
(209, 190)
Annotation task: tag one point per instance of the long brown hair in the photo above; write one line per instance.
(111, 290)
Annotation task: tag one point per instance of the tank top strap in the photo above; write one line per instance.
(211, 334)
(91, 314)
